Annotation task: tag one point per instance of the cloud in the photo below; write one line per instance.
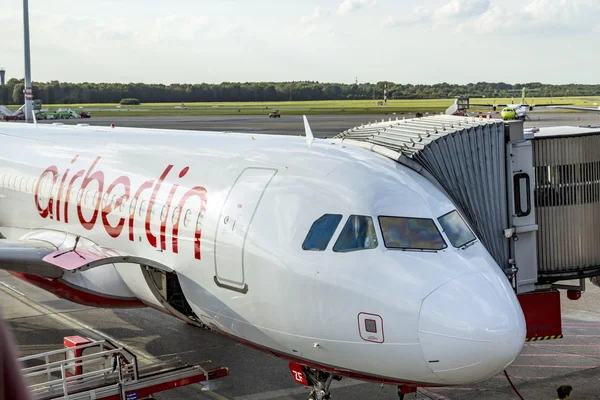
(445, 15)
(419, 16)
(317, 14)
(547, 17)
(319, 30)
(349, 6)
(462, 9)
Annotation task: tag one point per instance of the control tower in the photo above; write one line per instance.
(2, 76)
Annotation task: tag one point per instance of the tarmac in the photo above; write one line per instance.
(322, 125)
(39, 320)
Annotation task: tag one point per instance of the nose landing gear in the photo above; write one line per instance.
(403, 390)
(317, 379)
(320, 382)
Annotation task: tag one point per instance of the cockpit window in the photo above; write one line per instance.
(321, 231)
(358, 234)
(411, 233)
(456, 229)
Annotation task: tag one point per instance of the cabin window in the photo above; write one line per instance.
(187, 218)
(411, 233)
(104, 200)
(55, 182)
(456, 229)
(175, 215)
(199, 221)
(132, 206)
(321, 231)
(142, 205)
(163, 214)
(358, 234)
(118, 203)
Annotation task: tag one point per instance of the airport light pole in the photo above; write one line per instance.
(28, 92)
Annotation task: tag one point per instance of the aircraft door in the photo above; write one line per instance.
(234, 221)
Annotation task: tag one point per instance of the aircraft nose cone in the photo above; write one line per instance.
(471, 328)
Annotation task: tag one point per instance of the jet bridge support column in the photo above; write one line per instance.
(522, 231)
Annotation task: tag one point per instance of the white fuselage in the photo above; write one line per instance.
(230, 213)
(520, 109)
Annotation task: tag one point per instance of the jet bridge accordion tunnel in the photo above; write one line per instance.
(533, 198)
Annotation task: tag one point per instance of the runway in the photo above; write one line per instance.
(39, 320)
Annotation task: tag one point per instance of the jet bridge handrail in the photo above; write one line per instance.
(109, 364)
(100, 343)
(78, 361)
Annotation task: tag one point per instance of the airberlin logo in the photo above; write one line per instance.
(122, 186)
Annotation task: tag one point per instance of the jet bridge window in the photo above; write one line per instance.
(321, 231)
(358, 234)
(411, 233)
(456, 229)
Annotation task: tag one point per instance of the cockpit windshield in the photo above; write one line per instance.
(321, 232)
(411, 233)
(456, 229)
(358, 234)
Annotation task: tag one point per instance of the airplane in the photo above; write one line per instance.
(342, 261)
(516, 111)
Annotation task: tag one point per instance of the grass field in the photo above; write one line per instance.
(306, 107)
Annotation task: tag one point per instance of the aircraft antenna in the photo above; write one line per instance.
(308, 131)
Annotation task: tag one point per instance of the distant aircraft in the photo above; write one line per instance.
(339, 260)
(516, 111)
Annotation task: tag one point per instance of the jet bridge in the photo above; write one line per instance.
(533, 198)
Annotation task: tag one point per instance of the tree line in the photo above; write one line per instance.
(56, 92)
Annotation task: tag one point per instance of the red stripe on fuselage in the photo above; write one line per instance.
(79, 296)
(328, 368)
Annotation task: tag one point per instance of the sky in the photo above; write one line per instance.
(213, 41)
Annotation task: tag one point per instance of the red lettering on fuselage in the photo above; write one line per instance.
(201, 193)
(68, 195)
(144, 186)
(151, 238)
(45, 212)
(87, 179)
(115, 231)
(121, 185)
